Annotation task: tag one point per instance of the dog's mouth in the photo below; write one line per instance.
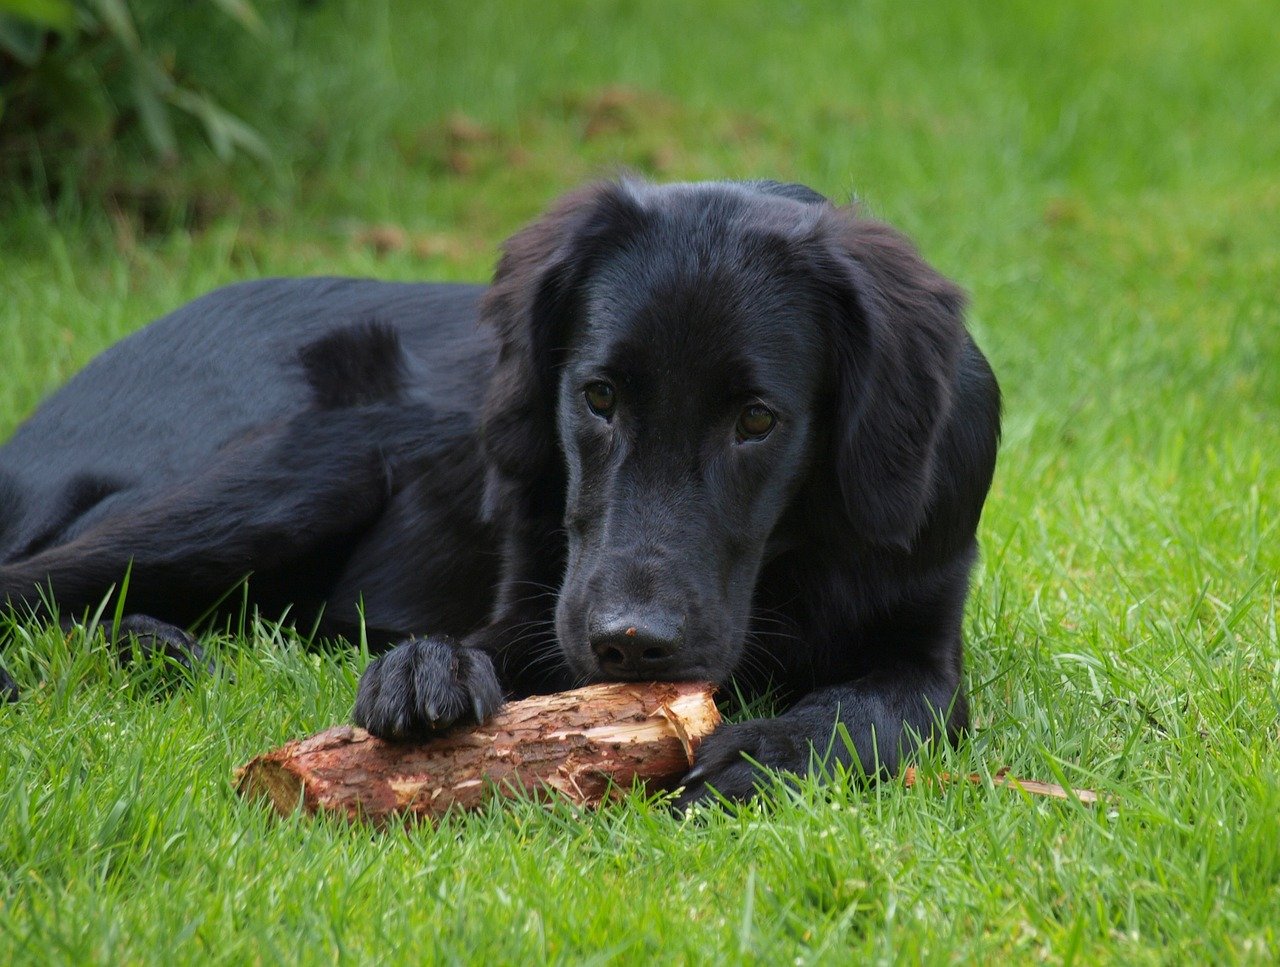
(682, 673)
(685, 673)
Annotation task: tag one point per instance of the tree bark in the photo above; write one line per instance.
(584, 745)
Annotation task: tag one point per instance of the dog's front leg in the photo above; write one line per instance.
(426, 684)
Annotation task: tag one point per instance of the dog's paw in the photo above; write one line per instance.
(8, 687)
(733, 761)
(424, 685)
(139, 637)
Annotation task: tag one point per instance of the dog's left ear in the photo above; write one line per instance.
(532, 306)
(899, 333)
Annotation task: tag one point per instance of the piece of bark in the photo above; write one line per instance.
(1002, 778)
(582, 745)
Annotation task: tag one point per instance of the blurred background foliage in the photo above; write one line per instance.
(83, 79)
(183, 109)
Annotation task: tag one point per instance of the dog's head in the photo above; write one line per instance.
(677, 365)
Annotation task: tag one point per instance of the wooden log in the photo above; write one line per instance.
(583, 745)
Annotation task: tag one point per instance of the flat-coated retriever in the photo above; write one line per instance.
(692, 431)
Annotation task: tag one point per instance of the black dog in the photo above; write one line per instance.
(700, 431)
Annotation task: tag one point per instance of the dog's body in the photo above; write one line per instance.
(317, 434)
(709, 431)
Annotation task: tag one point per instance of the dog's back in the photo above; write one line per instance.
(157, 406)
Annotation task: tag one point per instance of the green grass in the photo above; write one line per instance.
(1102, 177)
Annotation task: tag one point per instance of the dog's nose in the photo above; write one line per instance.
(627, 645)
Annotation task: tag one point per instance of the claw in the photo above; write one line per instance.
(696, 774)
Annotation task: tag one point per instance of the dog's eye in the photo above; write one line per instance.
(601, 398)
(755, 422)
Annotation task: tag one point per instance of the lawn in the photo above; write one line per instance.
(1104, 180)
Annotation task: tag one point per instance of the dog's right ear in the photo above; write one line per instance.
(533, 307)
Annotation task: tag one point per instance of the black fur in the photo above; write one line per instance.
(358, 443)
